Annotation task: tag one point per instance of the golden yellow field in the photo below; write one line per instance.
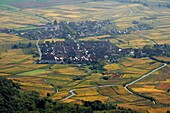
(158, 110)
(60, 95)
(71, 71)
(110, 67)
(4, 74)
(166, 59)
(76, 12)
(95, 38)
(32, 82)
(117, 94)
(129, 62)
(92, 98)
(86, 92)
(7, 40)
(55, 40)
(11, 19)
(147, 90)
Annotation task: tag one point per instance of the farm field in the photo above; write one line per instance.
(16, 19)
(20, 65)
(77, 12)
(132, 68)
(166, 59)
(155, 86)
(6, 41)
(30, 17)
(44, 78)
(95, 38)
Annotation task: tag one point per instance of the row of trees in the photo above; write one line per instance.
(23, 45)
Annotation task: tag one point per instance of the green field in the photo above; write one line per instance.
(34, 72)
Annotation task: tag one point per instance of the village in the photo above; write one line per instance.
(74, 51)
(84, 52)
(78, 52)
(76, 30)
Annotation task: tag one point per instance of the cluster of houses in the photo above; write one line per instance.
(94, 28)
(63, 29)
(75, 30)
(77, 52)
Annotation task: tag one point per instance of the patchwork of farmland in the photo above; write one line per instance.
(58, 79)
(45, 78)
(123, 19)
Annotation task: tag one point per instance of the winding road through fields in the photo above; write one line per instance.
(54, 87)
(72, 92)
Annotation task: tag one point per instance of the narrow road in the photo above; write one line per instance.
(54, 87)
(39, 50)
(72, 93)
(131, 12)
(149, 40)
(144, 76)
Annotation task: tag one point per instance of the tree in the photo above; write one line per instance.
(168, 6)
(135, 22)
(29, 44)
(55, 22)
(14, 47)
(48, 95)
